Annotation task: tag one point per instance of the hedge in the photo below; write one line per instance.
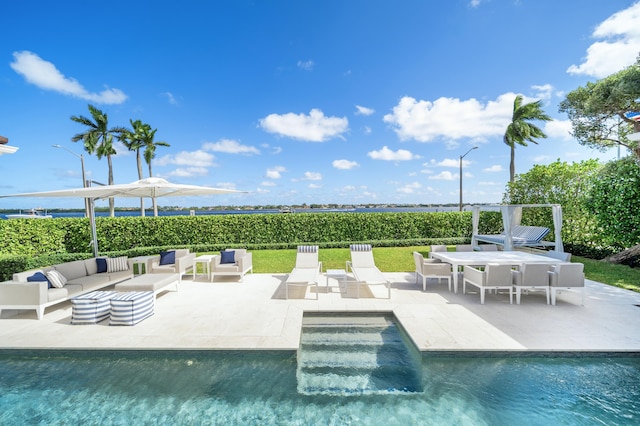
(26, 244)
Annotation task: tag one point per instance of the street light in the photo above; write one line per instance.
(84, 176)
(461, 157)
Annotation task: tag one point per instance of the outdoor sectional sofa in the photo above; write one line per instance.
(82, 277)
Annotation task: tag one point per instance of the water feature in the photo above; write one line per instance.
(358, 354)
(261, 388)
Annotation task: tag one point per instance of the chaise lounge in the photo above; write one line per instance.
(364, 268)
(306, 271)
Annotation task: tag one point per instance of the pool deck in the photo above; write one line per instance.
(254, 315)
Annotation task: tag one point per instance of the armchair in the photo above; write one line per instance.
(494, 277)
(238, 263)
(431, 268)
(566, 276)
(531, 276)
(164, 263)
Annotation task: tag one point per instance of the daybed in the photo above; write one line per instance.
(81, 277)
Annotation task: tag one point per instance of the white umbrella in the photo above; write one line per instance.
(144, 188)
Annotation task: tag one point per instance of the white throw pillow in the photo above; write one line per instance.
(117, 264)
(56, 278)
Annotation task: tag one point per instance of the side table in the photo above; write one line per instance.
(337, 274)
(205, 259)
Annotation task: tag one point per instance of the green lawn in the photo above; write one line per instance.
(400, 259)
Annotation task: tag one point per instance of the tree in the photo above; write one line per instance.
(134, 140)
(598, 111)
(98, 138)
(147, 137)
(615, 200)
(568, 185)
(520, 130)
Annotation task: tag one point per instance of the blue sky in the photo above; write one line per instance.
(332, 101)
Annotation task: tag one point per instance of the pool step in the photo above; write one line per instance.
(355, 355)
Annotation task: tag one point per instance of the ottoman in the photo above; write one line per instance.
(131, 307)
(91, 308)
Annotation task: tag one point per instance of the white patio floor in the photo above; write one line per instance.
(254, 315)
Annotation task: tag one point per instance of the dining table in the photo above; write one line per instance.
(458, 259)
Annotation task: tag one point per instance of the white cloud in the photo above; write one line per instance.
(494, 168)
(475, 3)
(389, 155)
(560, 129)
(543, 92)
(314, 186)
(541, 158)
(344, 164)
(618, 48)
(275, 172)
(172, 99)
(446, 175)
(197, 158)
(312, 176)
(451, 118)
(452, 162)
(314, 127)
(360, 110)
(410, 188)
(45, 75)
(306, 65)
(262, 191)
(268, 183)
(187, 172)
(230, 147)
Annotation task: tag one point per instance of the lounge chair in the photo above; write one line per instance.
(306, 271)
(494, 277)
(566, 276)
(531, 276)
(364, 268)
(431, 268)
(521, 236)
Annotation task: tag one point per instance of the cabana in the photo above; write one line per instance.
(511, 216)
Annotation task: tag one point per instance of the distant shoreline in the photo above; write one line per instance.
(120, 212)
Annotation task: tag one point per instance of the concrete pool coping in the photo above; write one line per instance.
(253, 315)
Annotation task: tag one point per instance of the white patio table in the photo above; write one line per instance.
(482, 258)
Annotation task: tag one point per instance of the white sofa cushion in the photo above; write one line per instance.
(72, 270)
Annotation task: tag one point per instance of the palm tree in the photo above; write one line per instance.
(98, 138)
(520, 130)
(147, 136)
(134, 141)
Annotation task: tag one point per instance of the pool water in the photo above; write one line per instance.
(260, 388)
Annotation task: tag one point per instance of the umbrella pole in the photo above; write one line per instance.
(92, 221)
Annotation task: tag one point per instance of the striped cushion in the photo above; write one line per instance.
(307, 249)
(117, 264)
(132, 307)
(91, 308)
(56, 279)
(360, 247)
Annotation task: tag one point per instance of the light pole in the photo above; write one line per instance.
(84, 176)
(461, 157)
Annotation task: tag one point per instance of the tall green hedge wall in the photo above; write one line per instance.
(72, 235)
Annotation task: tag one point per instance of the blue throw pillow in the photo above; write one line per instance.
(167, 257)
(37, 277)
(227, 256)
(102, 264)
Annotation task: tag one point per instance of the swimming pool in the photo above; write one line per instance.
(259, 388)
